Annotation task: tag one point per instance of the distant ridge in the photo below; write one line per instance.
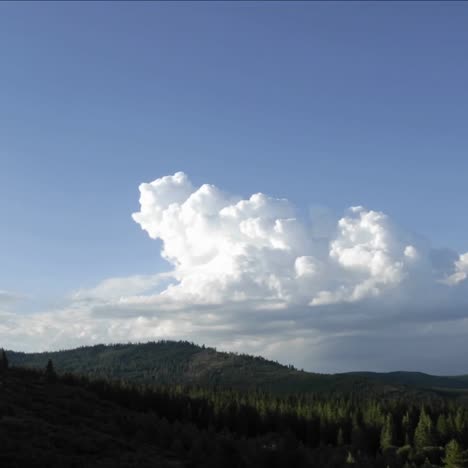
(185, 363)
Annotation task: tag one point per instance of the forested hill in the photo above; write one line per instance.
(169, 362)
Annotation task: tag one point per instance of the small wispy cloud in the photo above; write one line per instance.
(9, 297)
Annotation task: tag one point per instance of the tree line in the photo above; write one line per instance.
(337, 429)
(232, 428)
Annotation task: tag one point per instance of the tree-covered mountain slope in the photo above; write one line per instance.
(170, 362)
(417, 379)
(69, 421)
(52, 424)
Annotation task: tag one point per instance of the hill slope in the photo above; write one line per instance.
(46, 424)
(417, 379)
(168, 362)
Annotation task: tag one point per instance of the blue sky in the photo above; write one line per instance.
(331, 104)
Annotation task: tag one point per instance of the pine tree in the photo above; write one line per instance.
(340, 437)
(423, 435)
(51, 376)
(405, 426)
(3, 361)
(454, 457)
(460, 421)
(442, 429)
(386, 436)
(350, 460)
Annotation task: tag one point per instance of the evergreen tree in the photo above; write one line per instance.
(442, 429)
(460, 422)
(340, 437)
(405, 426)
(423, 435)
(51, 376)
(386, 436)
(454, 457)
(350, 460)
(3, 361)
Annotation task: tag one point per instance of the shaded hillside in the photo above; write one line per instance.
(455, 384)
(72, 421)
(169, 363)
(67, 421)
(46, 424)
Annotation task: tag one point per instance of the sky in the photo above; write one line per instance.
(279, 178)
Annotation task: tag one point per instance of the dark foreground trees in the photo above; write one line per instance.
(209, 427)
(243, 429)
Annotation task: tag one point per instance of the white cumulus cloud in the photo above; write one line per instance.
(224, 248)
(461, 270)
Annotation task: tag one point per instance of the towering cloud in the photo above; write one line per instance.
(223, 248)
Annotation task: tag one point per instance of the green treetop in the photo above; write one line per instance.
(423, 435)
(454, 457)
